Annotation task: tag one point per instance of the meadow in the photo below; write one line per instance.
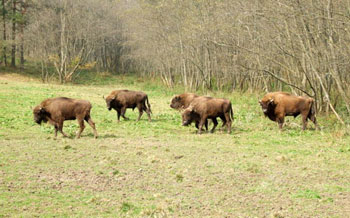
(160, 168)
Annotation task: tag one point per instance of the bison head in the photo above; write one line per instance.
(109, 101)
(176, 102)
(40, 114)
(267, 105)
(188, 116)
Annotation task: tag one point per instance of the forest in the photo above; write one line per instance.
(227, 45)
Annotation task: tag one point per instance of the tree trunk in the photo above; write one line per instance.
(21, 46)
(334, 71)
(4, 32)
(63, 45)
(23, 11)
(13, 52)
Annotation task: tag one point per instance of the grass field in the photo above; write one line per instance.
(160, 168)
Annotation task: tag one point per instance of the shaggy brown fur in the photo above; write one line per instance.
(57, 110)
(188, 117)
(182, 101)
(203, 108)
(120, 100)
(277, 105)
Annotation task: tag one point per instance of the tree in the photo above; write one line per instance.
(22, 22)
(4, 47)
(66, 37)
(252, 45)
(14, 21)
(299, 46)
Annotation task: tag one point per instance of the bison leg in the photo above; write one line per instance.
(228, 122)
(223, 121)
(197, 123)
(304, 118)
(118, 115)
(92, 124)
(201, 123)
(148, 111)
(82, 127)
(280, 121)
(60, 128)
(313, 119)
(139, 107)
(122, 112)
(205, 124)
(215, 124)
(56, 129)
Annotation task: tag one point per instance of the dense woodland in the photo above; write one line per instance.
(264, 45)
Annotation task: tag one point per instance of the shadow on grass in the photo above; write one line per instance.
(145, 120)
(89, 135)
(106, 136)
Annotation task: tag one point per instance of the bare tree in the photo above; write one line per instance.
(4, 48)
(252, 45)
(13, 20)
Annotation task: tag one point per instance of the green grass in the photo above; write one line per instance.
(161, 168)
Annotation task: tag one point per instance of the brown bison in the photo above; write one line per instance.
(203, 108)
(182, 101)
(57, 110)
(120, 100)
(277, 105)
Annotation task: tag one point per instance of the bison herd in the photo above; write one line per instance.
(194, 109)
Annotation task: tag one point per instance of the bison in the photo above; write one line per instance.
(277, 105)
(120, 100)
(57, 110)
(182, 101)
(203, 108)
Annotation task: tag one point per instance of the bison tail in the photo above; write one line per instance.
(148, 104)
(312, 112)
(231, 113)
